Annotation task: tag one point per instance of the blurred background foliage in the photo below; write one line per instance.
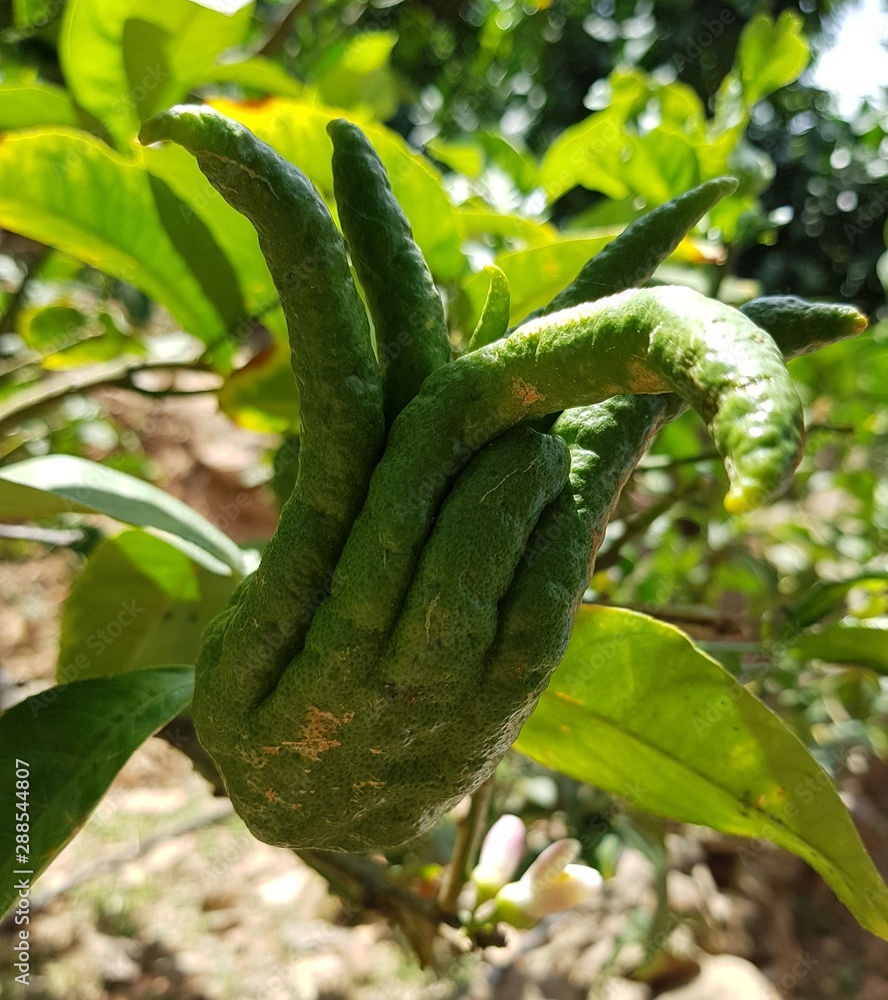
(527, 134)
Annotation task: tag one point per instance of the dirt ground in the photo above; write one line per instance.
(164, 894)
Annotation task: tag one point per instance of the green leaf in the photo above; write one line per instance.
(515, 160)
(125, 59)
(297, 130)
(34, 105)
(65, 746)
(636, 709)
(262, 396)
(31, 15)
(661, 165)
(770, 55)
(55, 484)
(587, 154)
(225, 231)
(197, 245)
(863, 642)
(537, 273)
(70, 191)
(67, 337)
(257, 74)
(139, 603)
(824, 598)
(469, 156)
(356, 75)
(477, 220)
(465, 157)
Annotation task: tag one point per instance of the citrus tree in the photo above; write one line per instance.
(458, 425)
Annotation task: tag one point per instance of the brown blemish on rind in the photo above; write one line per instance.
(642, 379)
(526, 392)
(272, 795)
(318, 731)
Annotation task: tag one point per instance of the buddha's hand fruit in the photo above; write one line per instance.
(381, 659)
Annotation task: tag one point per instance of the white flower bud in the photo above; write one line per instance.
(500, 854)
(551, 884)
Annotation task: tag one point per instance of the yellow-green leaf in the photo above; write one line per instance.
(638, 710)
(297, 130)
(72, 192)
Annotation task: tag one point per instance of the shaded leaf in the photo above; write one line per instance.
(30, 15)
(230, 231)
(636, 709)
(138, 603)
(262, 396)
(826, 597)
(862, 641)
(197, 245)
(73, 740)
(66, 337)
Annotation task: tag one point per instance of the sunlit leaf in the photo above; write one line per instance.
(589, 153)
(476, 220)
(28, 106)
(58, 484)
(771, 54)
(465, 157)
(297, 130)
(661, 165)
(356, 74)
(256, 74)
(636, 709)
(536, 274)
(126, 59)
(71, 192)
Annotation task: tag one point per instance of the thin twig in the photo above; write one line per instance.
(468, 838)
(638, 525)
(32, 399)
(364, 883)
